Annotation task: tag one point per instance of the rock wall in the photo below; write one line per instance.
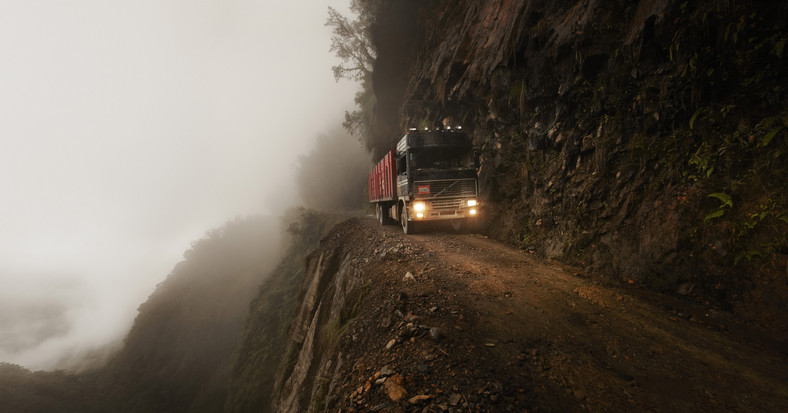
(644, 140)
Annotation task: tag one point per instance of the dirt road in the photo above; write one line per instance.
(479, 326)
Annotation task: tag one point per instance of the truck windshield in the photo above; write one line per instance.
(442, 158)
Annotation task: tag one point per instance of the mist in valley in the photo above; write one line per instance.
(333, 175)
(133, 132)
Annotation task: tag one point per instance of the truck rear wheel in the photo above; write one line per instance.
(408, 228)
(382, 213)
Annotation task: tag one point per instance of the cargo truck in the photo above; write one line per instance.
(429, 176)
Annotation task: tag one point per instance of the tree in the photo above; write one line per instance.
(358, 122)
(351, 42)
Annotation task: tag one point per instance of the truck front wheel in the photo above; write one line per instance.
(407, 227)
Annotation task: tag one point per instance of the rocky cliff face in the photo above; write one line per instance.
(331, 287)
(293, 324)
(641, 139)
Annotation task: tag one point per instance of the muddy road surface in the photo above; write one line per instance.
(460, 323)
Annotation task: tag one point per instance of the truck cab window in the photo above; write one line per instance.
(442, 158)
(401, 165)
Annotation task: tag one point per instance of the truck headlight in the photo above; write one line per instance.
(419, 206)
(471, 202)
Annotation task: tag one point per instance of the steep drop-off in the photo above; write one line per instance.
(267, 344)
(644, 140)
(178, 354)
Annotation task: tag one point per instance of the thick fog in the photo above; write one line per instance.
(130, 128)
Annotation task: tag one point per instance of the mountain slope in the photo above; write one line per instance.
(178, 353)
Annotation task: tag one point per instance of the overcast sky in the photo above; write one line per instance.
(130, 128)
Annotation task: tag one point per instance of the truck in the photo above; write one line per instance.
(429, 176)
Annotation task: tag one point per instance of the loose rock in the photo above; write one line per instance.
(685, 288)
(394, 388)
(380, 407)
(419, 398)
(435, 333)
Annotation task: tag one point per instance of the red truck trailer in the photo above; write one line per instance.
(382, 180)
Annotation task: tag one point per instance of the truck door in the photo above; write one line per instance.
(402, 175)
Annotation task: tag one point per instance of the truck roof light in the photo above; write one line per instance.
(458, 127)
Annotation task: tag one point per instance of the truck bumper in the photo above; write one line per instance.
(438, 211)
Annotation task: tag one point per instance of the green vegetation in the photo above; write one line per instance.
(518, 95)
(725, 201)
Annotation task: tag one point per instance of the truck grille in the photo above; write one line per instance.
(446, 203)
(447, 188)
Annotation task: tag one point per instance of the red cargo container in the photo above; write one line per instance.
(382, 179)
